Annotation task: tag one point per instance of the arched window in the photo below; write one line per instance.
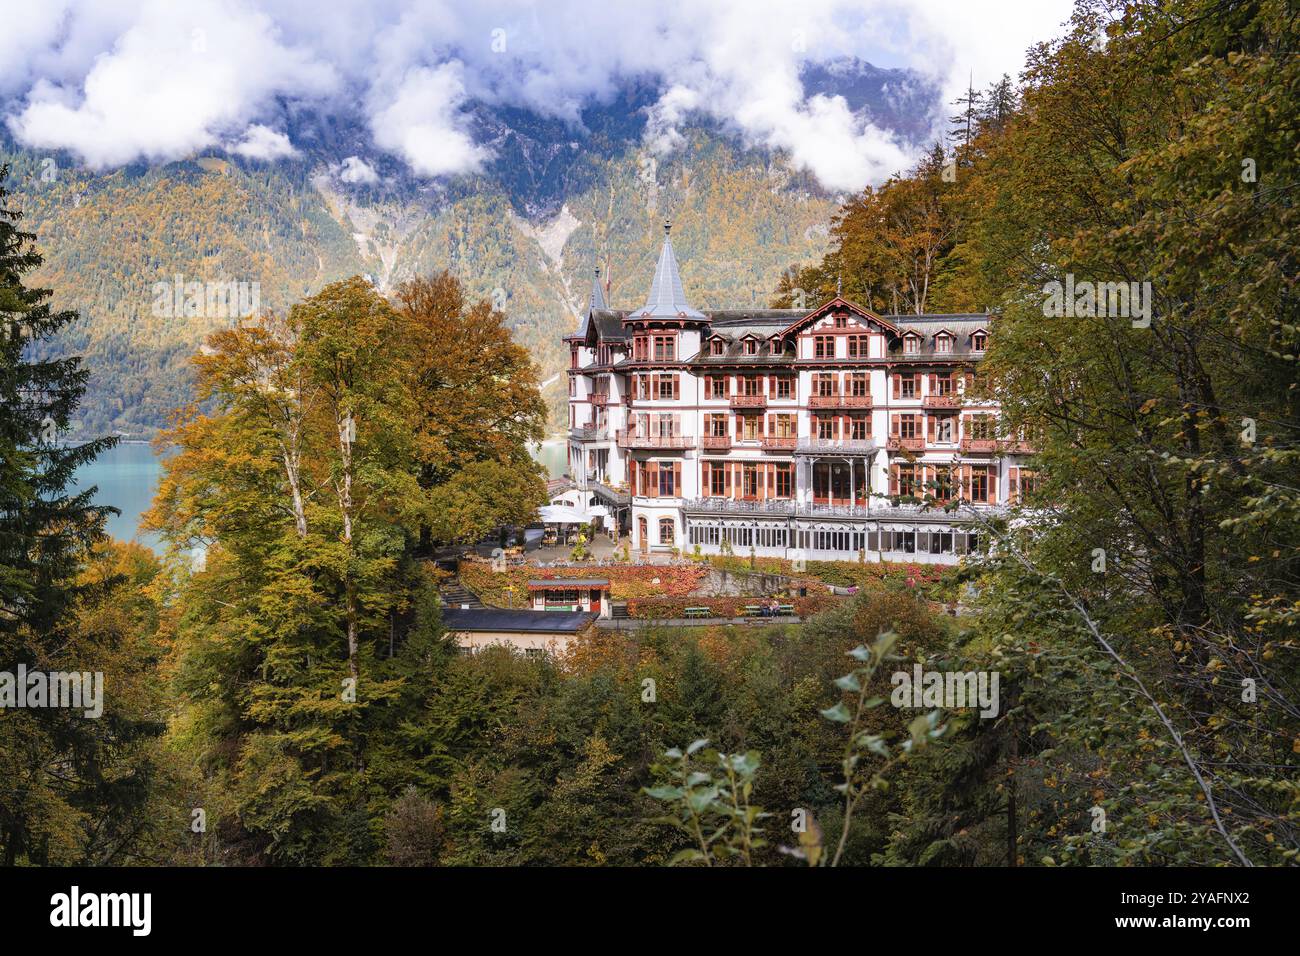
(666, 528)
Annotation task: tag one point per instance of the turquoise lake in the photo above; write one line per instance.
(127, 477)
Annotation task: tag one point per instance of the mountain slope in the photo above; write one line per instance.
(525, 232)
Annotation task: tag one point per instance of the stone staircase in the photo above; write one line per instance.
(455, 594)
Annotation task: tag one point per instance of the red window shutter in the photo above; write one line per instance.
(893, 425)
(1013, 484)
(708, 386)
(993, 486)
(726, 479)
(704, 479)
(934, 384)
(677, 386)
(898, 384)
(677, 478)
(966, 481)
(893, 479)
(929, 428)
(771, 386)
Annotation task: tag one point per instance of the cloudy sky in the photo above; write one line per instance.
(114, 81)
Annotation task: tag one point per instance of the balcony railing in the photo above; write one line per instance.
(779, 442)
(978, 446)
(749, 401)
(655, 441)
(839, 401)
(589, 433)
(836, 446)
(895, 443)
(786, 507)
(772, 506)
(599, 398)
(942, 402)
(715, 442)
(1016, 447)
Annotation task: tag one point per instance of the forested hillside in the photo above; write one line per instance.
(525, 233)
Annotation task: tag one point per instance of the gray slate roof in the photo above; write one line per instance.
(667, 299)
(499, 619)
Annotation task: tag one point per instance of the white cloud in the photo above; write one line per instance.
(357, 171)
(118, 80)
(421, 122)
(262, 142)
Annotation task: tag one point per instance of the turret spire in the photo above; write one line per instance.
(667, 298)
(597, 300)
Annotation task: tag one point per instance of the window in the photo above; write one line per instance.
(942, 428)
(904, 481)
(718, 388)
(858, 428)
(825, 427)
(718, 480)
(980, 427)
(666, 530)
(749, 480)
(979, 484)
(858, 346)
(911, 344)
(784, 480)
(841, 321)
(641, 348)
(750, 385)
(824, 346)
(784, 426)
(665, 348)
(750, 429)
(717, 425)
(907, 426)
(943, 484)
(667, 387)
(942, 385)
(751, 347)
(978, 341)
(907, 386)
(784, 387)
(667, 481)
(943, 342)
(858, 384)
(716, 347)
(824, 385)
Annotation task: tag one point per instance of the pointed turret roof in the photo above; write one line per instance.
(597, 300)
(667, 298)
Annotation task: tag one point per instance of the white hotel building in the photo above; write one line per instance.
(786, 433)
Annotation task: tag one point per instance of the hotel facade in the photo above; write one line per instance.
(785, 432)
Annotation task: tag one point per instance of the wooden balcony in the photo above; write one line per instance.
(599, 398)
(749, 401)
(942, 403)
(895, 443)
(839, 401)
(589, 433)
(978, 446)
(779, 443)
(668, 442)
(715, 442)
(1011, 447)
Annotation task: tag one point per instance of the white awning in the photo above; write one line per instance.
(561, 514)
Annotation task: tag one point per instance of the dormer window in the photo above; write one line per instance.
(943, 342)
(979, 341)
(715, 347)
(751, 347)
(911, 344)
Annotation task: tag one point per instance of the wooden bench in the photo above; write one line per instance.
(753, 610)
(785, 610)
(697, 612)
